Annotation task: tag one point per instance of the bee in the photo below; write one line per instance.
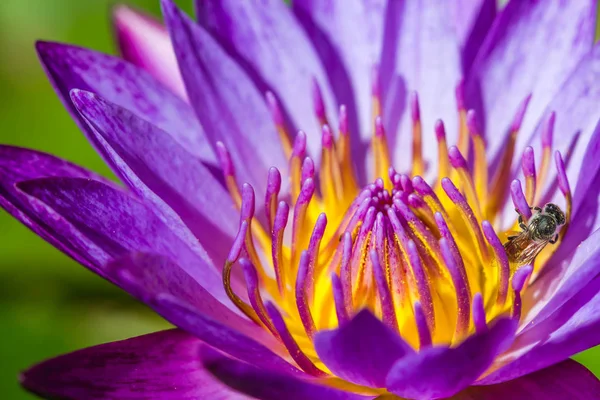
(542, 228)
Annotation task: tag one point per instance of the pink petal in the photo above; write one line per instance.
(145, 42)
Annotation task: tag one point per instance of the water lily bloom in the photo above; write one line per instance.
(332, 200)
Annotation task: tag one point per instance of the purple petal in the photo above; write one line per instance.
(268, 385)
(163, 365)
(348, 37)
(568, 269)
(19, 164)
(587, 187)
(576, 122)
(145, 42)
(564, 320)
(158, 168)
(567, 380)
(420, 53)
(126, 85)
(274, 50)
(438, 372)
(227, 103)
(571, 329)
(116, 223)
(221, 337)
(562, 281)
(473, 19)
(146, 276)
(361, 351)
(531, 49)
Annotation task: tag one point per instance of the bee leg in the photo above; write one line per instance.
(521, 222)
(511, 238)
(537, 209)
(554, 239)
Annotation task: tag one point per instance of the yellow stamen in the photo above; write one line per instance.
(380, 150)
(418, 165)
(499, 186)
(344, 156)
(443, 163)
(279, 121)
(296, 160)
(331, 179)
(463, 133)
(480, 165)
(541, 178)
(466, 179)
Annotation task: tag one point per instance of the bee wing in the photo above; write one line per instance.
(522, 249)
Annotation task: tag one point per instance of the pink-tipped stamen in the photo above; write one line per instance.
(463, 297)
(519, 200)
(272, 195)
(468, 217)
(519, 281)
(339, 299)
(279, 121)
(288, 341)
(303, 282)
(319, 103)
(280, 222)
(254, 295)
(418, 165)
(479, 318)
(422, 326)
(385, 297)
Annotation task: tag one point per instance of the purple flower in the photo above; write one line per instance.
(383, 255)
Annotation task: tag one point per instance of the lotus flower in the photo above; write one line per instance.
(375, 254)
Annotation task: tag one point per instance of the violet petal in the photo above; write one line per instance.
(473, 19)
(226, 101)
(532, 47)
(268, 384)
(163, 365)
(159, 169)
(19, 164)
(349, 50)
(146, 275)
(116, 223)
(221, 336)
(271, 46)
(566, 325)
(562, 281)
(420, 53)
(361, 351)
(438, 372)
(70, 67)
(567, 380)
(577, 121)
(145, 42)
(570, 330)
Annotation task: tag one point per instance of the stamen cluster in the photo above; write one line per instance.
(425, 259)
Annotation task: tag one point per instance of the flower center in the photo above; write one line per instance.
(426, 259)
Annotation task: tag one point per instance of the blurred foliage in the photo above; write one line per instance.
(48, 304)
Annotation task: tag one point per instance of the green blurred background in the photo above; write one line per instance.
(49, 304)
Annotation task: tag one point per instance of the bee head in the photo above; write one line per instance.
(554, 211)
